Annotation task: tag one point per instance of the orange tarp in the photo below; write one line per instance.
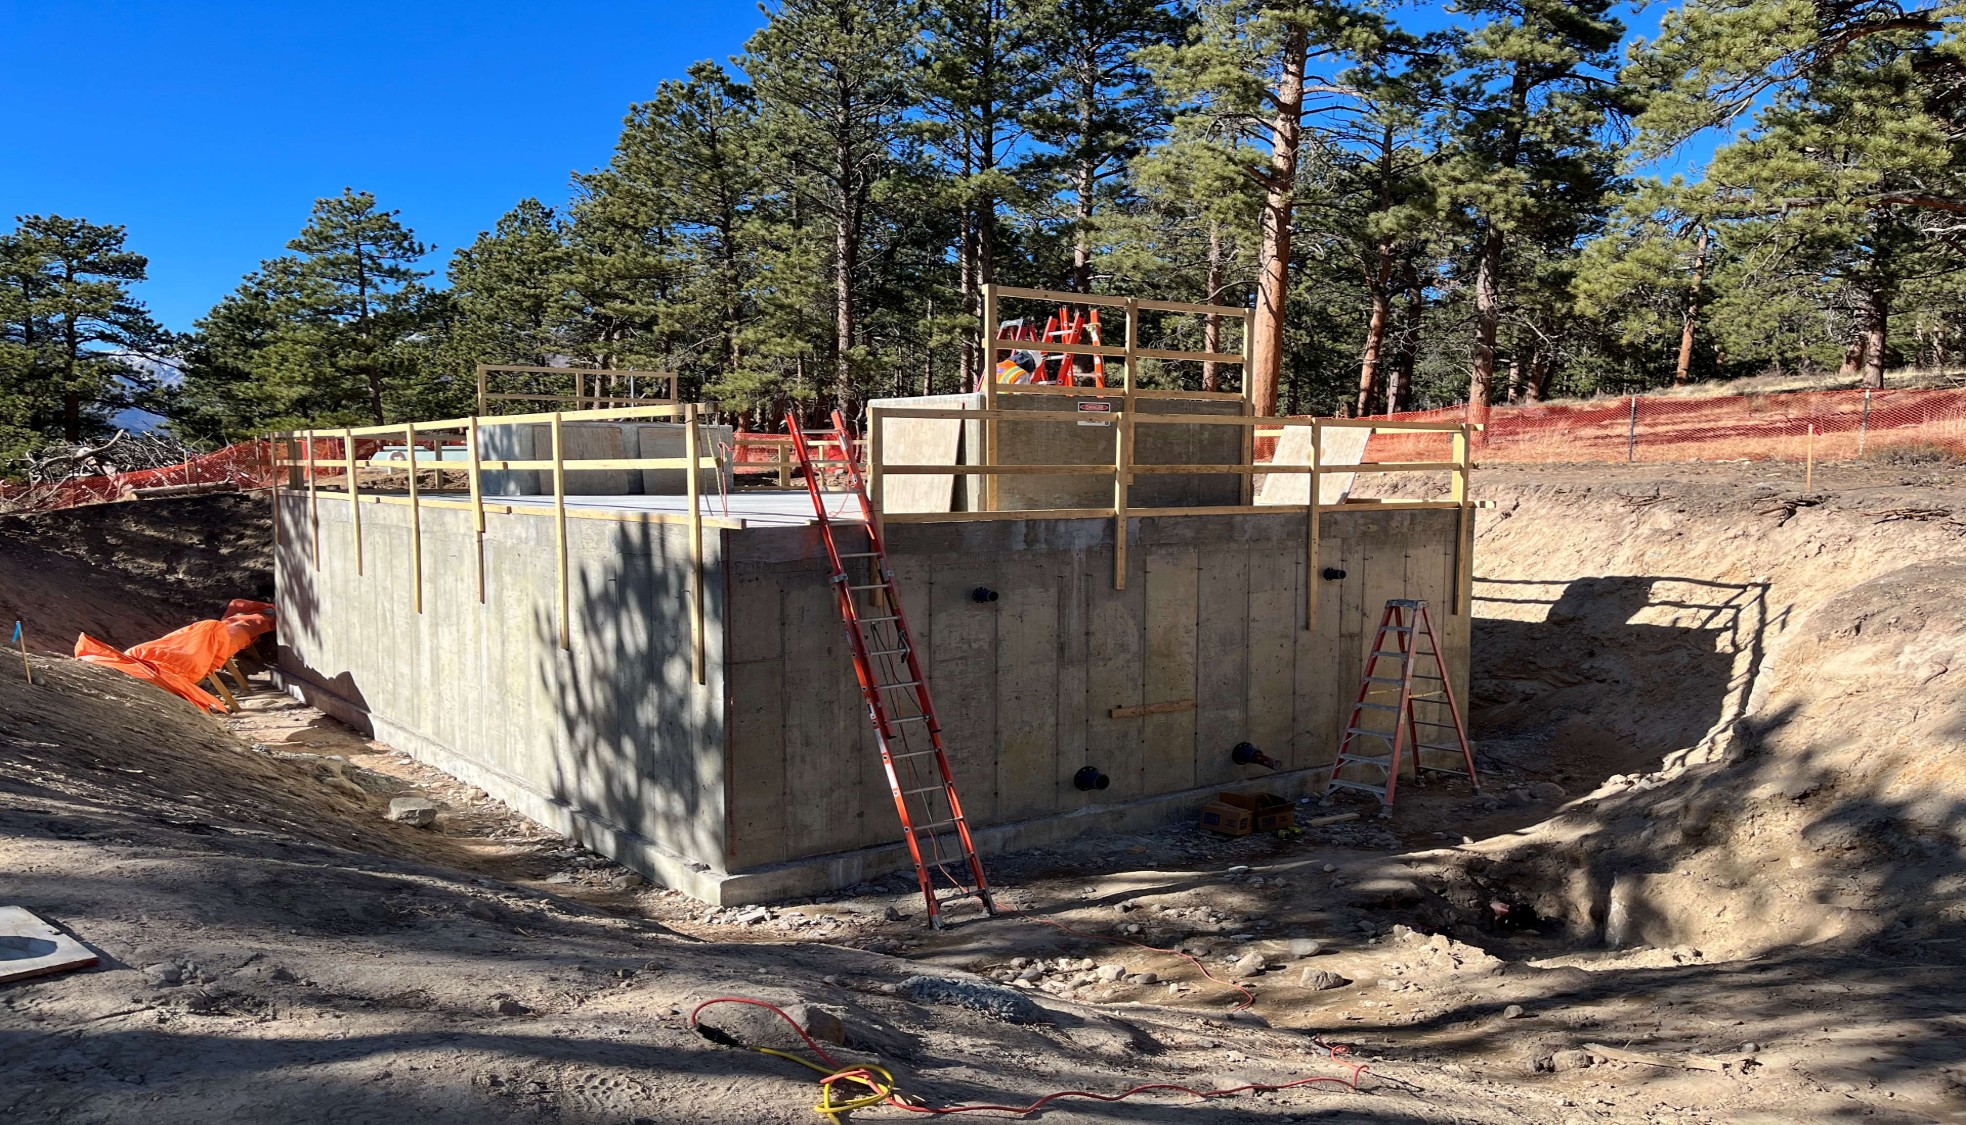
(95, 652)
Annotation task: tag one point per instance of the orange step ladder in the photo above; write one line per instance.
(896, 692)
(1408, 623)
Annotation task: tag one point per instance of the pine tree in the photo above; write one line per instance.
(351, 296)
(72, 324)
(830, 77)
(1246, 78)
(1102, 108)
(1533, 102)
(981, 71)
(508, 291)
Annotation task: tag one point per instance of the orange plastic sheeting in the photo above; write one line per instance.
(194, 652)
(242, 607)
(247, 628)
(95, 652)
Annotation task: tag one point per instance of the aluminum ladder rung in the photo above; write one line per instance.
(875, 586)
(860, 554)
(1385, 734)
(859, 620)
(909, 754)
(1358, 785)
(1356, 760)
(937, 788)
(891, 687)
(888, 651)
(1381, 706)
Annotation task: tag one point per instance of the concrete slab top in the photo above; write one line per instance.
(30, 947)
(763, 508)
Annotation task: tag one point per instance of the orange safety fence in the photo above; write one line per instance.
(244, 465)
(1823, 425)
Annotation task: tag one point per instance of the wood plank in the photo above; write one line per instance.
(1173, 580)
(1169, 707)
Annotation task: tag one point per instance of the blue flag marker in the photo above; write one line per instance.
(17, 632)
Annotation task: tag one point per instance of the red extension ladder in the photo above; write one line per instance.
(896, 691)
(1407, 621)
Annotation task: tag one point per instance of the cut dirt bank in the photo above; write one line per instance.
(275, 951)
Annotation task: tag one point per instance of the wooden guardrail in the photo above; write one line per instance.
(1124, 467)
(589, 388)
(303, 467)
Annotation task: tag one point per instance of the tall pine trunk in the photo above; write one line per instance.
(1280, 197)
(1379, 283)
(1488, 271)
(1683, 367)
(1877, 317)
(846, 258)
(1399, 386)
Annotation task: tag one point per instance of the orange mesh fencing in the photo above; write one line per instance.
(1826, 425)
(244, 465)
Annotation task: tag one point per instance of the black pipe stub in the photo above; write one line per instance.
(1333, 574)
(982, 594)
(1089, 778)
(1246, 754)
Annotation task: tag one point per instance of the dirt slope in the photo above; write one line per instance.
(128, 572)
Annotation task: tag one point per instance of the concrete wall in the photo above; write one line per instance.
(581, 441)
(1213, 611)
(766, 781)
(611, 741)
(1053, 443)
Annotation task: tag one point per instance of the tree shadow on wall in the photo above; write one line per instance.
(637, 744)
(1619, 671)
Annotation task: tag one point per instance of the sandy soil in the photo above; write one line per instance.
(276, 950)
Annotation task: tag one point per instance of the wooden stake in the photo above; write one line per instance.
(313, 505)
(1809, 461)
(218, 685)
(238, 677)
(1463, 525)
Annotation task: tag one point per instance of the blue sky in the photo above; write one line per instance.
(209, 129)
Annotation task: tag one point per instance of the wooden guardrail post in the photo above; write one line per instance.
(475, 456)
(693, 452)
(416, 520)
(1122, 473)
(1314, 512)
(560, 534)
(354, 494)
(1464, 522)
(313, 505)
(988, 375)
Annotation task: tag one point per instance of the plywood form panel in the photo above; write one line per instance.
(1222, 659)
(1070, 690)
(1115, 677)
(1275, 621)
(1168, 740)
(823, 810)
(963, 673)
(1027, 695)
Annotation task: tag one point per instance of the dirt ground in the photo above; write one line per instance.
(1716, 876)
